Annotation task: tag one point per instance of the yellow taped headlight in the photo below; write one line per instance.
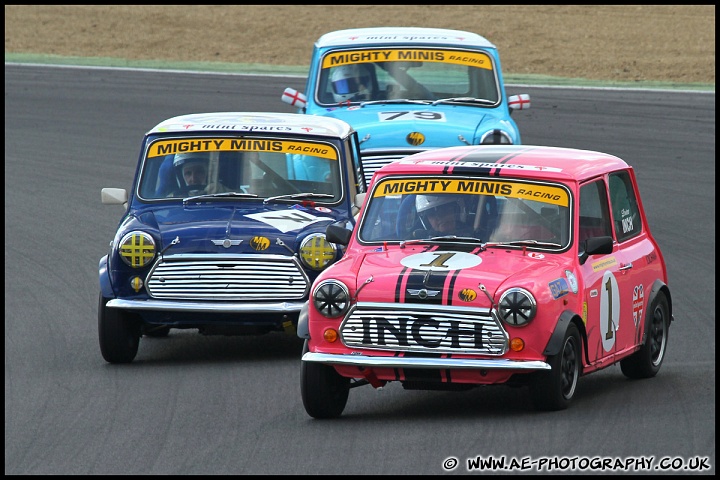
(316, 252)
(137, 249)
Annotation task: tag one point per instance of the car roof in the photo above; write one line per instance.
(259, 122)
(402, 36)
(526, 161)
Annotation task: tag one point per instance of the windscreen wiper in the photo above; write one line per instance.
(441, 239)
(396, 100)
(293, 196)
(522, 242)
(484, 101)
(223, 196)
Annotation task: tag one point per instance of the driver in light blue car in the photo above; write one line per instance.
(351, 83)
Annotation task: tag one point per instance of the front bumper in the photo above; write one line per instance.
(422, 362)
(207, 307)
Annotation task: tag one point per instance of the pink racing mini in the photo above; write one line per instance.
(485, 265)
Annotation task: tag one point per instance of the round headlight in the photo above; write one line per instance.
(517, 307)
(331, 298)
(316, 252)
(137, 249)
(495, 137)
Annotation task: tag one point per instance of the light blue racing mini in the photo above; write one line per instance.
(407, 89)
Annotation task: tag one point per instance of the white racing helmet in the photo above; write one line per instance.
(183, 159)
(426, 203)
(349, 82)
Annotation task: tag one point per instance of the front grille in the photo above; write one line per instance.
(227, 278)
(424, 328)
(374, 160)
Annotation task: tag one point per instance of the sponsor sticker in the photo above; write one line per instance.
(559, 288)
(189, 145)
(638, 303)
(439, 260)
(288, 220)
(349, 57)
(541, 193)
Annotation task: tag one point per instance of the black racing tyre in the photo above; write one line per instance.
(119, 334)
(646, 362)
(555, 389)
(324, 391)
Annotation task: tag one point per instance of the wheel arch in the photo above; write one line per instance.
(105, 283)
(558, 336)
(303, 330)
(659, 287)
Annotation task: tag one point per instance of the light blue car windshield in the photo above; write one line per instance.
(348, 76)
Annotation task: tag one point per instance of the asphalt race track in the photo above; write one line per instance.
(231, 405)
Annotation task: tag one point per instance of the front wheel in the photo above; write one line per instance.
(119, 334)
(555, 389)
(646, 362)
(324, 391)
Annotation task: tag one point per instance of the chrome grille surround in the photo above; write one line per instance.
(373, 160)
(227, 277)
(424, 328)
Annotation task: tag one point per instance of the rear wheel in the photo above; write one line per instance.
(555, 389)
(646, 362)
(119, 334)
(324, 391)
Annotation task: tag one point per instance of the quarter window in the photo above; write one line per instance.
(626, 216)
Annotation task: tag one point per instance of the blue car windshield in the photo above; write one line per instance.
(182, 167)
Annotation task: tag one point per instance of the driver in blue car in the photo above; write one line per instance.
(191, 172)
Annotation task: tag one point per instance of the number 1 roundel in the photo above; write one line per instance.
(609, 310)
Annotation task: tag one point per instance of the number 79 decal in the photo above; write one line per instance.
(412, 115)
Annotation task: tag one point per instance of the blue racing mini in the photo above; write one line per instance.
(408, 89)
(224, 228)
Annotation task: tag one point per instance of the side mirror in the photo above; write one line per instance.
(360, 199)
(114, 196)
(294, 98)
(519, 102)
(337, 233)
(357, 205)
(596, 246)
